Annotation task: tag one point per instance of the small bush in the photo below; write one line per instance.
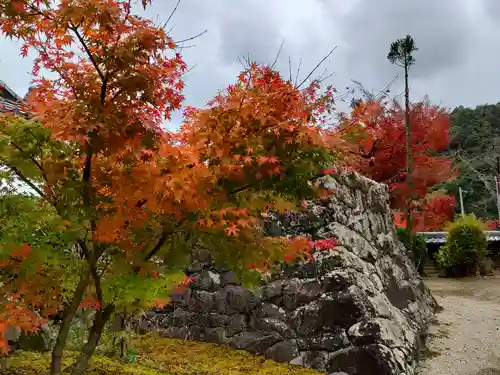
(416, 246)
(465, 249)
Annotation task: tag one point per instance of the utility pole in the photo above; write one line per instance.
(498, 197)
(462, 211)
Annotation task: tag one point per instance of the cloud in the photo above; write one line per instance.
(441, 29)
(492, 9)
(456, 60)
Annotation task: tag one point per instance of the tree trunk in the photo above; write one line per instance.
(409, 154)
(122, 327)
(100, 320)
(68, 315)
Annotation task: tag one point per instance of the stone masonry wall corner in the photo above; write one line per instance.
(361, 309)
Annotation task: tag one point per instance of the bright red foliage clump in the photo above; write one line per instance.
(493, 224)
(432, 215)
(302, 248)
(379, 152)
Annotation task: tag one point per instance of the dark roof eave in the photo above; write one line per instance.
(9, 90)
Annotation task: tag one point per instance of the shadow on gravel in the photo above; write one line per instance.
(470, 292)
(483, 289)
(437, 330)
(488, 371)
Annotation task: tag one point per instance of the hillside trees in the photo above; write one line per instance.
(124, 192)
(475, 148)
(376, 131)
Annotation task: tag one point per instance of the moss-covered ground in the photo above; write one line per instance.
(160, 356)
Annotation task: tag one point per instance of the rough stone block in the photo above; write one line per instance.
(358, 309)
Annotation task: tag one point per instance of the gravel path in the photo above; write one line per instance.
(465, 337)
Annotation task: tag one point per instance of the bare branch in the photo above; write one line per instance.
(317, 66)
(278, 54)
(381, 92)
(191, 38)
(171, 14)
(298, 72)
(323, 79)
(186, 47)
(478, 174)
(188, 70)
(19, 174)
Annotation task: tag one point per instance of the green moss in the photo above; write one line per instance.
(192, 358)
(29, 363)
(159, 356)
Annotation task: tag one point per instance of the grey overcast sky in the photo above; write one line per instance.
(458, 41)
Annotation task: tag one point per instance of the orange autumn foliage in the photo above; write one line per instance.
(123, 185)
(252, 133)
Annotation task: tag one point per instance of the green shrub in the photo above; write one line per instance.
(465, 249)
(416, 247)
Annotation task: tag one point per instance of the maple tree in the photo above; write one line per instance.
(492, 224)
(432, 215)
(376, 133)
(130, 199)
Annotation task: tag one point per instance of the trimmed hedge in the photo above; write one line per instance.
(160, 356)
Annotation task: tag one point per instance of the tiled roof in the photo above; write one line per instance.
(11, 92)
(440, 237)
(8, 106)
(11, 103)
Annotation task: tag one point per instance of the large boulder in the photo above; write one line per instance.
(40, 341)
(359, 309)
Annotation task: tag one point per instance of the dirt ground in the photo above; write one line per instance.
(465, 336)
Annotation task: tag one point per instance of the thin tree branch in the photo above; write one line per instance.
(90, 255)
(171, 14)
(38, 165)
(298, 72)
(277, 55)
(24, 179)
(479, 174)
(159, 244)
(191, 38)
(87, 50)
(317, 66)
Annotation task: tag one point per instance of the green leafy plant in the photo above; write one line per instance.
(130, 356)
(416, 246)
(465, 249)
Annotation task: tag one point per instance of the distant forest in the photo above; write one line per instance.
(475, 148)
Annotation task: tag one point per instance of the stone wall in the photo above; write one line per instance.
(360, 309)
